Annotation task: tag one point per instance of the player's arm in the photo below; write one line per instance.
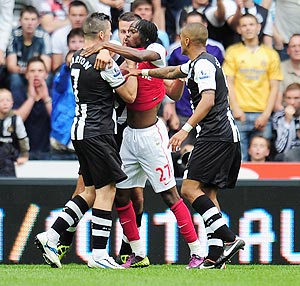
(204, 106)
(128, 90)
(126, 52)
(174, 88)
(170, 72)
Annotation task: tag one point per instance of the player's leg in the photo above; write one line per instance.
(137, 198)
(213, 220)
(101, 228)
(124, 207)
(67, 236)
(71, 213)
(185, 225)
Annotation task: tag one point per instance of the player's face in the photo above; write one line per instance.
(123, 31)
(107, 33)
(183, 39)
(133, 38)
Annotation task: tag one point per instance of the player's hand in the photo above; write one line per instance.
(92, 50)
(177, 139)
(132, 72)
(103, 60)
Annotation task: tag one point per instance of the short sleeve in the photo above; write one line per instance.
(113, 76)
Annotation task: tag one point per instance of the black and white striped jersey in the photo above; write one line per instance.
(94, 96)
(205, 73)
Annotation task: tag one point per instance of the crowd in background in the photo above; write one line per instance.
(260, 58)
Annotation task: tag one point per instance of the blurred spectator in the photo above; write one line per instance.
(112, 8)
(26, 41)
(290, 68)
(19, 6)
(286, 124)
(77, 14)
(169, 13)
(259, 149)
(263, 16)
(63, 102)
(287, 23)
(253, 74)
(14, 146)
(219, 15)
(54, 14)
(35, 109)
(6, 19)
(144, 8)
(177, 113)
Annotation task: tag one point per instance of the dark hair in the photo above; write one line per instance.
(78, 3)
(29, 9)
(138, 3)
(36, 59)
(196, 13)
(128, 17)
(148, 32)
(75, 32)
(95, 23)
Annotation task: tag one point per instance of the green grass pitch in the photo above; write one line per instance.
(155, 275)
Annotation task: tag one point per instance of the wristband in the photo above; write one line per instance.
(187, 127)
(49, 100)
(145, 72)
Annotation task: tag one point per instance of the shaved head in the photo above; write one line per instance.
(196, 32)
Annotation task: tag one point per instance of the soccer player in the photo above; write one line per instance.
(215, 160)
(93, 139)
(144, 150)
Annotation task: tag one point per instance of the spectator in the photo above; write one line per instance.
(35, 109)
(19, 6)
(170, 15)
(287, 23)
(259, 149)
(219, 15)
(253, 75)
(77, 14)
(112, 8)
(26, 41)
(144, 8)
(6, 18)
(290, 68)
(63, 102)
(54, 14)
(14, 145)
(263, 16)
(286, 124)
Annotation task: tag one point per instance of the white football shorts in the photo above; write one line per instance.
(145, 155)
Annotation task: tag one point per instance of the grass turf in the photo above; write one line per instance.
(155, 275)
